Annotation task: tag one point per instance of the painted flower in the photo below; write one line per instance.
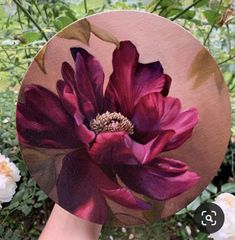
(227, 202)
(119, 132)
(9, 175)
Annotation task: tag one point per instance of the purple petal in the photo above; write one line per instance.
(131, 80)
(70, 102)
(41, 119)
(68, 74)
(118, 147)
(82, 187)
(89, 78)
(163, 114)
(182, 123)
(113, 148)
(163, 179)
(147, 117)
(77, 192)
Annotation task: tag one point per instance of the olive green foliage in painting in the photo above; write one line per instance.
(27, 24)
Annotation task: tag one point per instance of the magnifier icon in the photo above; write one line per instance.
(209, 218)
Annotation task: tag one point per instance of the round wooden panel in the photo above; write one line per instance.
(93, 189)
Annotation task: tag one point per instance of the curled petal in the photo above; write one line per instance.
(131, 80)
(164, 114)
(164, 178)
(82, 187)
(183, 126)
(41, 126)
(89, 79)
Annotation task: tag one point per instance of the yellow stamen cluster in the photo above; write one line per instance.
(111, 122)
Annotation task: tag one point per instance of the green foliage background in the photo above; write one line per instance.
(27, 24)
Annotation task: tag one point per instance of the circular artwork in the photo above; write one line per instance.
(123, 118)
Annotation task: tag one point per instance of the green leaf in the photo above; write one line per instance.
(182, 211)
(205, 195)
(62, 22)
(201, 236)
(31, 36)
(26, 209)
(194, 205)
(189, 14)
(228, 187)
(18, 196)
(1, 230)
(37, 205)
(211, 16)
(13, 205)
(202, 3)
(212, 188)
(41, 196)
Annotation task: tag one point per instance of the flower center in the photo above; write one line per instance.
(4, 169)
(111, 122)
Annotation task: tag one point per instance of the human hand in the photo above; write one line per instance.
(62, 225)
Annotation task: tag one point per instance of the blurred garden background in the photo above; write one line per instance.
(27, 24)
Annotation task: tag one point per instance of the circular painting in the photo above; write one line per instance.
(123, 118)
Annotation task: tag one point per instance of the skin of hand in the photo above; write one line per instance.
(62, 225)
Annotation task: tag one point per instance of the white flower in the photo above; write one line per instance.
(9, 175)
(227, 202)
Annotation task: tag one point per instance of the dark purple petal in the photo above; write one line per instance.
(43, 122)
(163, 179)
(77, 192)
(89, 79)
(70, 102)
(131, 80)
(82, 187)
(68, 74)
(147, 117)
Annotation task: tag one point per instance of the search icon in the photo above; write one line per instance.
(209, 218)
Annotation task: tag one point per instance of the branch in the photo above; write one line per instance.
(185, 10)
(209, 33)
(85, 6)
(31, 18)
(226, 60)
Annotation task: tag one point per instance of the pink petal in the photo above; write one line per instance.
(182, 123)
(131, 80)
(155, 113)
(160, 180)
